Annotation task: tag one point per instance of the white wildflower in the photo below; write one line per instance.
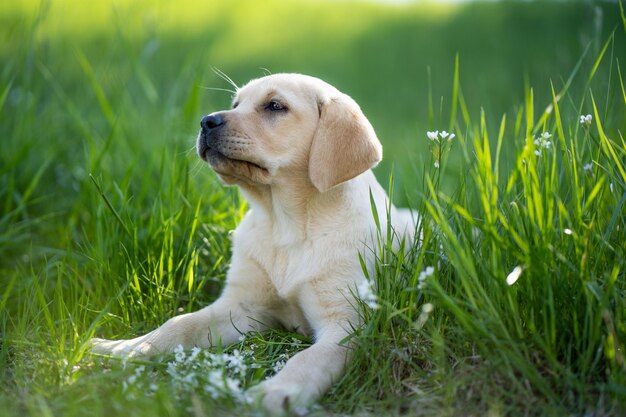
(611, 186)
(179, 353)
(215, 380)
(133, 383)
(588, 167)
(236, 362)
(568, 232)
(542, 142)
(436, 135)
(426, 273)
(421, 278)
(366, 293)
(215, 377)
(585, 120)
(423, 317)
(436, 164)
(189, 379)
(171, 369)
(280, 363)
(514, 275)
(277, 366)
(194, 354)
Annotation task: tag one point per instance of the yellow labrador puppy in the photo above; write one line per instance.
(301, 152)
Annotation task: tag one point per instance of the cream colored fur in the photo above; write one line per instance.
(305, 170)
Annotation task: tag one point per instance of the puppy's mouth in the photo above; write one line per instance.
(225, 163)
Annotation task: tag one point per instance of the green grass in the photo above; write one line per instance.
(109, 223)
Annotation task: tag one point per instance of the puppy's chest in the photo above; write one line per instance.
(287, 266)
(291, 261)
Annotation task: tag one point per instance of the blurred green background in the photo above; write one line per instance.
(151, 61)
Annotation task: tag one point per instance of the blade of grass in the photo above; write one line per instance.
(105, 106)
(109, 205)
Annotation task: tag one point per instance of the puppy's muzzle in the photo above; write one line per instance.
(211, 122)
(209, 126)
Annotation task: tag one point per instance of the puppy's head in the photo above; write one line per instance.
(289, 127)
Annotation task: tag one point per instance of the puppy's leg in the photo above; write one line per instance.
(237, 311)
(202, 328)
(310, 373)
(307, 375)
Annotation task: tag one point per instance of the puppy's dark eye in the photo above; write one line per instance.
(275, 106)
(235, 104)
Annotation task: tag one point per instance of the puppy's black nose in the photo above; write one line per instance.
(211, 122)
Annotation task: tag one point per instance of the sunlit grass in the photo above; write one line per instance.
(109, 223)
(528, 283)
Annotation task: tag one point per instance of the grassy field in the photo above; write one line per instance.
(513, 304)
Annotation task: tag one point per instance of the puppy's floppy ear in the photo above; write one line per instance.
(344, 144)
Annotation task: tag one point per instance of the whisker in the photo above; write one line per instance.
(218, 89)
(190, 150)
(225, 77)
(196, 168)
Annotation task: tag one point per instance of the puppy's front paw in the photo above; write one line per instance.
(280, 398)
(122, 348)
